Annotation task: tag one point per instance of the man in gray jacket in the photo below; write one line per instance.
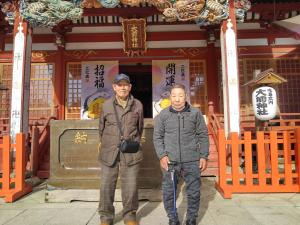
(181, 143)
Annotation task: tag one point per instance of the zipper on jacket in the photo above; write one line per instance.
(182, 117)
(179, 115)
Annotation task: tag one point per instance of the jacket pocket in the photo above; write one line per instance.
(189, 124)
(133, 118)
(110, 119)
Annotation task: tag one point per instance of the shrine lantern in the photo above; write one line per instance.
(264, 95)
(264, 101)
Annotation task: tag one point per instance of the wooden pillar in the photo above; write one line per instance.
(21, 77)
(60, 84)
(230, 73)
(2, 40)
(60, 68)
(212, 76)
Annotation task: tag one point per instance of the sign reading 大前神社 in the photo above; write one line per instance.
(264, 100)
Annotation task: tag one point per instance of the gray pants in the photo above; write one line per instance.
(191, 174)
(129, 190)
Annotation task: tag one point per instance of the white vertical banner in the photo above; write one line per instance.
(97, 78)
(224, 78)
(166, 73)
(20, 80)
(230, 80)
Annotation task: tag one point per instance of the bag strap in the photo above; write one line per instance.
(118, 121)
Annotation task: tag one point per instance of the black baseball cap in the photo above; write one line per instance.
(120, 77)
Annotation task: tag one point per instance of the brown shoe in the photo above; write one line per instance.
(105, 223)
(131, 222)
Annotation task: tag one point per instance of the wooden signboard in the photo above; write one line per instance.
(134, 36)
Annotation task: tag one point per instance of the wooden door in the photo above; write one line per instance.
(198, 89)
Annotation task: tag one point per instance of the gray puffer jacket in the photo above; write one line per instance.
(182, 136)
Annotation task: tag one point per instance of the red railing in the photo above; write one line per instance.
(12, 182)
(265, 150)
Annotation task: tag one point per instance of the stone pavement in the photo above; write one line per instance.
(242, 209)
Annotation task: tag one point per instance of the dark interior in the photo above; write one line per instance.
(141, 79)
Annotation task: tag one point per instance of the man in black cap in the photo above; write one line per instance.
(124, 110)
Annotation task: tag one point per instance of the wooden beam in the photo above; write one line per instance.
(151, 36)
(128, 12)
(269, 7)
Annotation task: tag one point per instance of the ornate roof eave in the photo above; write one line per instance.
(122, 12)
(8, 9)
(49, 13)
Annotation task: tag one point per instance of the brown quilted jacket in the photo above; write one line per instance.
(132, 122)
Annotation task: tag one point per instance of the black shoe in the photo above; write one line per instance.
(172, 222)
(191, 222)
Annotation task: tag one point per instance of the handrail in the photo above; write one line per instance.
(43, 132)
(39, 141)
(289, 114)
(214, 123)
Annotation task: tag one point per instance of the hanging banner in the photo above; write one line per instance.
(97, 78)
(264, 101)
(20, 79)
(166, 73)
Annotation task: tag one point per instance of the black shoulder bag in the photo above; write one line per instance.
(126, 145)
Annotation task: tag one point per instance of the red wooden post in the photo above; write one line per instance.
(212, 73)
(274, 159)
(59, 83)
(235, 159)
(297, 155)
(287, 159)
(222, 184)
(6, 164)
(20, 188)
(248, 158)
(261, 159)
(20, 162)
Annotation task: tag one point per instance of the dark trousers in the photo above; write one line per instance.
(191, 174)
(129, 190)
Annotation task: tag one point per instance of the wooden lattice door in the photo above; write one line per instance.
(41, 92)
(5, 96)
(198, 90)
